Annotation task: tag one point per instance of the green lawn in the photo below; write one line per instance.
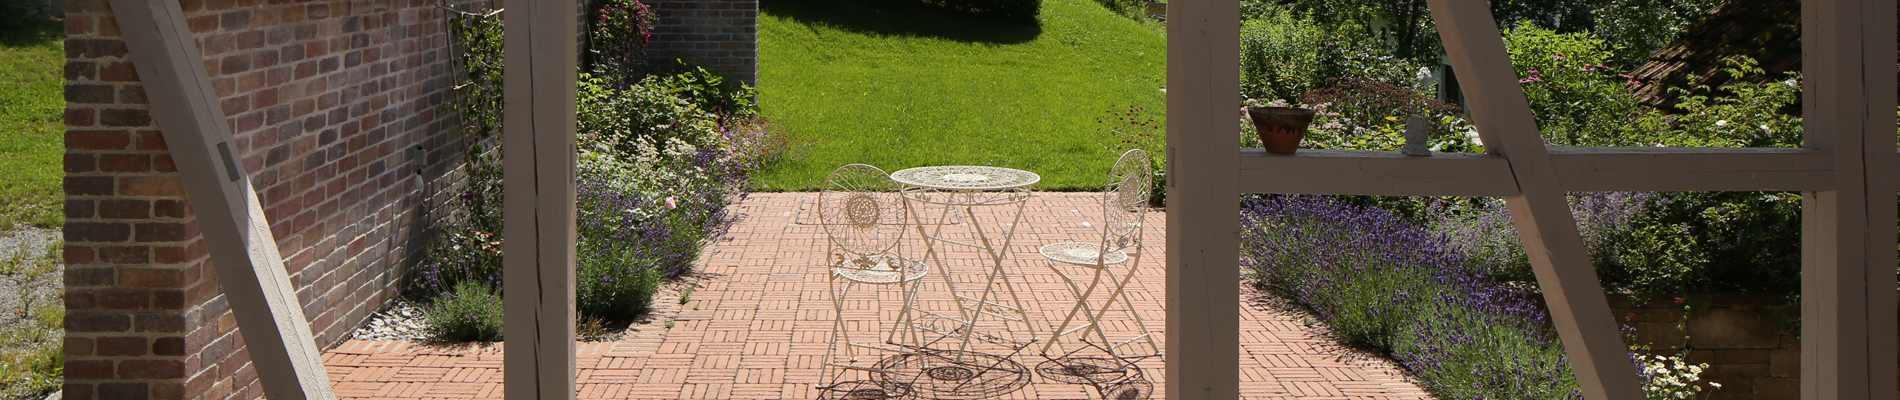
(899, 83)
(31, 131)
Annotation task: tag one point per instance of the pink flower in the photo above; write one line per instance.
(1559, 57)
(1532, 72)
(671, 204)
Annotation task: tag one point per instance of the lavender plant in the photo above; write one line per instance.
(645, 220)
(469, 311)
(1387, 284)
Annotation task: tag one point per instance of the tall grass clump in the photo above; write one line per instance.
(1389, 285)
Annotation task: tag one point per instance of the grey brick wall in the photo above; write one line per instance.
(723, 34)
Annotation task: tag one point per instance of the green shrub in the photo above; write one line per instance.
(711, 91)
(1025, 10)
(1575, 98)
(1279, 55)
(469, 312)
(1133, 9)
(622, 120)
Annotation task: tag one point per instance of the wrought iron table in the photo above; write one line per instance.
(960, 191)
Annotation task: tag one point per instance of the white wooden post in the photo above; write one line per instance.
(186, 108)
(1847, 279)
(1577, 306)
(538, 207)
(1203, 163)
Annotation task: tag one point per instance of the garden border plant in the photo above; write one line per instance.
(660, 159)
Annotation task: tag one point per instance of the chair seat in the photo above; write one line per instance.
(883, 270)
(1083, 254)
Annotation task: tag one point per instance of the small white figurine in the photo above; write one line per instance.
(1417, 130)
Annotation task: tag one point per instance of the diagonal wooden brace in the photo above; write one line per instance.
(1578, 307)
(171, 67)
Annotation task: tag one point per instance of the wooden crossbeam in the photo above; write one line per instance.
(1382, 173)
(1578, 169)
(1203, 286)
(236, 234)
(1646, 169)
(538, 206)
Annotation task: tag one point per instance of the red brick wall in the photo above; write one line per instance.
(723, 34)
(326, 99)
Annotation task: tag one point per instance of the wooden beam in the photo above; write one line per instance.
(1578, 169)
(1379, 173)
(1847, 308)
(538, 204)
(1602, 169)
(1577, 305)
(1203, 166)
(237, 236)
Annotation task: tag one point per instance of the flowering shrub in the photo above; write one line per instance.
(1573, 95)
(659, 162)
(1670, 377)
(1135, 128)
(621, 30)
(760, 144)
(1751, 117)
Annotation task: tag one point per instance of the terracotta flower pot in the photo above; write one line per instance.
(1280, 128)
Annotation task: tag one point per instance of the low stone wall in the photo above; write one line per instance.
(1748, 340)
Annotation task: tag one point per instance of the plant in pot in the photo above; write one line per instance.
(1280, 128)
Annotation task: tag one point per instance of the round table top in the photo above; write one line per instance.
(966, 177)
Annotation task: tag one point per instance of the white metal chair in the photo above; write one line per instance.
(1124, 206)
(863, 218)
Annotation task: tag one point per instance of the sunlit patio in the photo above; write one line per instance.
(758, 323)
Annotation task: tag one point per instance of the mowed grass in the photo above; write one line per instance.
(900, 83)
(31, 128)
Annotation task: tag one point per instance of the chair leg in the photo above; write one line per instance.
(1081, 306)
(840, 333)
(1130, 306)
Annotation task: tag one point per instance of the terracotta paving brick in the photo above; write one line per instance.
(758, 324)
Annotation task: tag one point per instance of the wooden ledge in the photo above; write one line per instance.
(1580, 169)
(1588, 169)
(1320, 171)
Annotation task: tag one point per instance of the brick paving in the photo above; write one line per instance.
(758, 324)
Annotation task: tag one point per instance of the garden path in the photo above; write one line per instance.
(757, 326)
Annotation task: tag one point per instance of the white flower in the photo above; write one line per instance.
(1721, 123)
(1424, 73)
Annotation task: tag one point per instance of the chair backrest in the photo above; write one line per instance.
(1125, 200)
(860, 209)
